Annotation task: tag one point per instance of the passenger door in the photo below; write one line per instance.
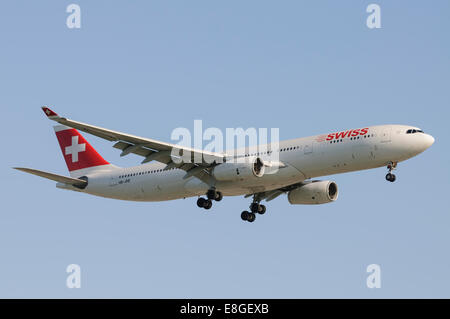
(386, 135)
(308, 148)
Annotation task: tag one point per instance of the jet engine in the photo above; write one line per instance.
(316, 192)
(249, 167)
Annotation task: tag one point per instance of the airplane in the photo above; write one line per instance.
(161, 177)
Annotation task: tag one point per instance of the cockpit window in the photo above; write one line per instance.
(412, 131)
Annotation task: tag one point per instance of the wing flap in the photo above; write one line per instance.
(137, 149)
(272, 194)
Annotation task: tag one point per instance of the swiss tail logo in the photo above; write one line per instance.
(77, 152)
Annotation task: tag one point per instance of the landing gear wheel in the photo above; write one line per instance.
(244, 215)
(201, 202)
(261, 209)
(254, 207)
(211, 194)
(218, 197)
(208, 204)
(390, 177)
(251, 217)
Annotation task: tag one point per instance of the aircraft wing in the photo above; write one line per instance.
(272, 194)
(148, 148)
(55, 177)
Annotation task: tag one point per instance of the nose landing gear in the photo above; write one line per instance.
(389, 176)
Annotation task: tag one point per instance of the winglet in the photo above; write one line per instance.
(50, 114)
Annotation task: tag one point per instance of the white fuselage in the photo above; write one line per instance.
(303, 158)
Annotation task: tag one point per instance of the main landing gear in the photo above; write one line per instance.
(255, 208)
(389, 176)
(211, 195)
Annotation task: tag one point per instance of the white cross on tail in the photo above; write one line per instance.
(75, 148)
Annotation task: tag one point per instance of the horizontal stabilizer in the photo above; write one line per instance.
(54, 177)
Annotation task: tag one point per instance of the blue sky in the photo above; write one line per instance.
(147, 67)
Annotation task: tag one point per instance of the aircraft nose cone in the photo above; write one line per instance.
(429, 140)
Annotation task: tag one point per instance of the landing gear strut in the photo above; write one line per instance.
(389, 176)
(255, 208)
(211, 195)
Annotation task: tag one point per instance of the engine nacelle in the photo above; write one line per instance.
(316, 192)
(244, 168)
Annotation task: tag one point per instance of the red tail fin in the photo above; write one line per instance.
(77, 152)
